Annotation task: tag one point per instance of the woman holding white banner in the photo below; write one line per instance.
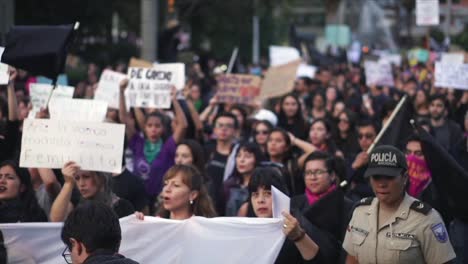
(305, 243)
(153, 149)
(184, 195)
(92, 185)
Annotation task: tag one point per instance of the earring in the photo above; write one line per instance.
(191, 201)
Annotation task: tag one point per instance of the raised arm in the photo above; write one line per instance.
(181, 125)
(50, 181)
(123, 114)
(209, 110)
(305, 146)
(62, 205)
(12, 103)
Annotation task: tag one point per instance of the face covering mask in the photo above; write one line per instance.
(419, 175)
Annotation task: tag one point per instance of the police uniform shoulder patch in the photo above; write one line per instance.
(439, 232)
(365, 201)
(421, 207)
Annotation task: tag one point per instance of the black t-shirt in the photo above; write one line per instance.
(215, 172)
(130, 187)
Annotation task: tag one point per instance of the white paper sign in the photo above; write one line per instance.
(305, 70)
(452, 58)
(427, 12)
(378, 73)
(281, 203)
(390, 59)
(149, 88)
(78, 110)
(3, 69)
(50, 143)
(195, 240)
(61, 91)
(451, 76)
(109, 88)
(39, 94)
(283, 55)
(177, 70)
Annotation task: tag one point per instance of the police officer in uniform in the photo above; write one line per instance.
(394, 227)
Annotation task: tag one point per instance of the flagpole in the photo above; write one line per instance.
(387, 124)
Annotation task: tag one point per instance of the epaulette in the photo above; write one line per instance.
(421, 207)
(365, 201)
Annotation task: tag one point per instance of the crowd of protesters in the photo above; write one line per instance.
(207, 158)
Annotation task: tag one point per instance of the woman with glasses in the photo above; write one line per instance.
(18, 201)
(92, 185)
(261, 131)
(323, 202)
(305, 242)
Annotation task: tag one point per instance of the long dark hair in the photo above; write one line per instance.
(165, 122)
(198, 154)
(30, 211)
(298, 117)
(289, 154)
(202, 205)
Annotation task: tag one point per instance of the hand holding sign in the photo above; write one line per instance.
(12, 73)
(69, 171)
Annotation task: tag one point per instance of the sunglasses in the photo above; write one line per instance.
(262, 132)
(367, 136)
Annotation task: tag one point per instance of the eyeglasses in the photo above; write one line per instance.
(262, 132)
(67, 255)
(222, 125)
(318, 173)
(367, 136)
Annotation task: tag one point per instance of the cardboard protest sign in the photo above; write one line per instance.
(452, 58)
(305, 70)
(78, 110)
(378, 73)
(139, 63)
(39, 94)
(109, 88)
(283, 55)
(279, 80)
(149, 88)
(238, 88)
(427, 12)
(50, 143)
(451, 76)
(3, 69)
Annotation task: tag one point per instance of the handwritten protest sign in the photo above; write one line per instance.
(283, 55)
(3, 69)
(279, 80)
(378, 73)
(427, 12)
(39, 94)
(78, 110)
(61, 91)
(451, 76)
(390, 59)
(50, 143)
(109, 88)
(238, 88)
(452, 58)
(149, 87)
(176, 71)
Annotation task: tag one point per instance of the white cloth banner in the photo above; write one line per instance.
(378, 73)
(149, 88)
(50, 143)
(283, 55)
(227, 240)
(109, 88)
(451, 75)
(78, 110)
(427, 12)
(3, 69)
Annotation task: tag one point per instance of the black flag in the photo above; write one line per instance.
(450, 179)
(40, 50)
